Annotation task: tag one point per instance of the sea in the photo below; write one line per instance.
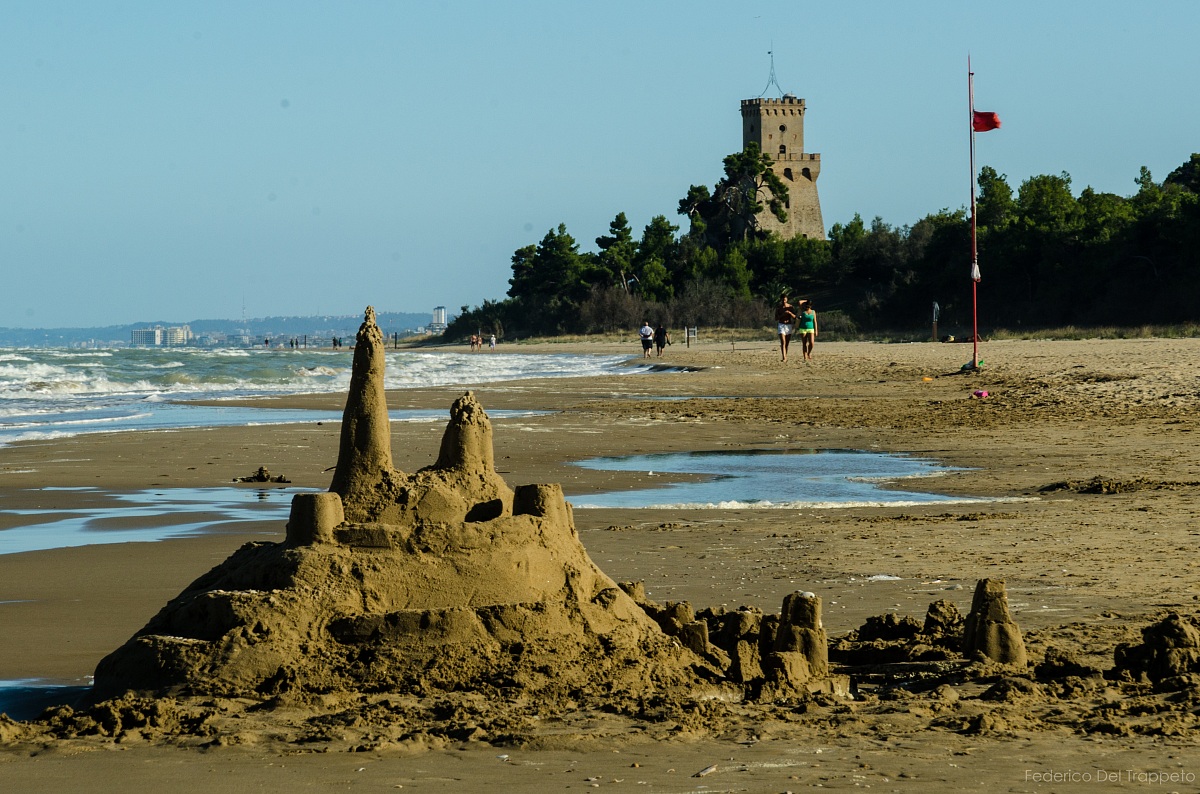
(58, 392)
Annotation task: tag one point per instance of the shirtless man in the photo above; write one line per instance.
(785, 315)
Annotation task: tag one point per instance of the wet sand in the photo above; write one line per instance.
(1084, 570)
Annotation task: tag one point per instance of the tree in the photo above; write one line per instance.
(617, 250)
(938, 254)
(1186, 176)
(525, 278)
(697, 205)
(845, 245)
(1043, 247)
(655, 281)
(734, 272)
(548, 281)
(995, 206)
(491, 317)
(1104, 216)
(729, 214)
(1045, 204)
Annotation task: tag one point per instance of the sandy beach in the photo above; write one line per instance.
(1082, 457)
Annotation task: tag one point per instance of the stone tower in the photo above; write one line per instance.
(777, 126)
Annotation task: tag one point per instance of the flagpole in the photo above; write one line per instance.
(974, 249)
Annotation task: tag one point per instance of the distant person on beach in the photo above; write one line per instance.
(785, 315)
(807, 328)
(662, 338)
(647, 335)
(492, 343)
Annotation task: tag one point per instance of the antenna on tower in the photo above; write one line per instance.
(772, 81)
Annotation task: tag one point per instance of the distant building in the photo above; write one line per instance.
(439, 320)
(177, 336)
(158, 336)
(777, 126)
(147, 337)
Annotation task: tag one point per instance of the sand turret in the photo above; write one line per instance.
(798, 657)
(364, 468)
(989, 629)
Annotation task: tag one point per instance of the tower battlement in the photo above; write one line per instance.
(787, 102)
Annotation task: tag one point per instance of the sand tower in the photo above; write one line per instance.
(777, 126)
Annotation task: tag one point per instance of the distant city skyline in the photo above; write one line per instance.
(176, 159)
(213, 330)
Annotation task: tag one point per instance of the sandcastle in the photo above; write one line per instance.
(444, 579)
(448, 580)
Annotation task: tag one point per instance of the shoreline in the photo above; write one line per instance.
(1084, 570)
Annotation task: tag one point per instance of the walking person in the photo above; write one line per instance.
(646, 333)
(492, 343)
(785, 315)
(662, 338)
(807, 325)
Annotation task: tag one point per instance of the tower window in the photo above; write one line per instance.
(782, 148)
(783, 128)
(807, 174)
(787, 172)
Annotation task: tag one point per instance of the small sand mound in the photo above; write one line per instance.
(1107, 485)
(443, 580)
(1168, 656)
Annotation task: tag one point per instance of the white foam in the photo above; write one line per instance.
(36, 383)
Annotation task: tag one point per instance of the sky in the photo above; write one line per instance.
(189, 160)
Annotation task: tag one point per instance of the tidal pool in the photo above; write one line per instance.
(775, 479)
(145, 516)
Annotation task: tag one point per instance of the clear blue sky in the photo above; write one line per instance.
(170, 160)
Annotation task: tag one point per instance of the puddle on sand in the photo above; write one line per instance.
(27, 698)
(787, 479)
(146, 516)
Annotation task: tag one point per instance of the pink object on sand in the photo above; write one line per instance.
(979, 393)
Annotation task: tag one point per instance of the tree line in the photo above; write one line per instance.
(1048, 259)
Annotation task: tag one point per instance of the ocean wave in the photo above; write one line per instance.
(31, 370)
(67, 423)
(35, 382)
(34, 435)
(246, 373)
(73, 354)
(167, 365)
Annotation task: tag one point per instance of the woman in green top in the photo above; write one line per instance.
(807, 328)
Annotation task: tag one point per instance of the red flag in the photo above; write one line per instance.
(982, 121)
